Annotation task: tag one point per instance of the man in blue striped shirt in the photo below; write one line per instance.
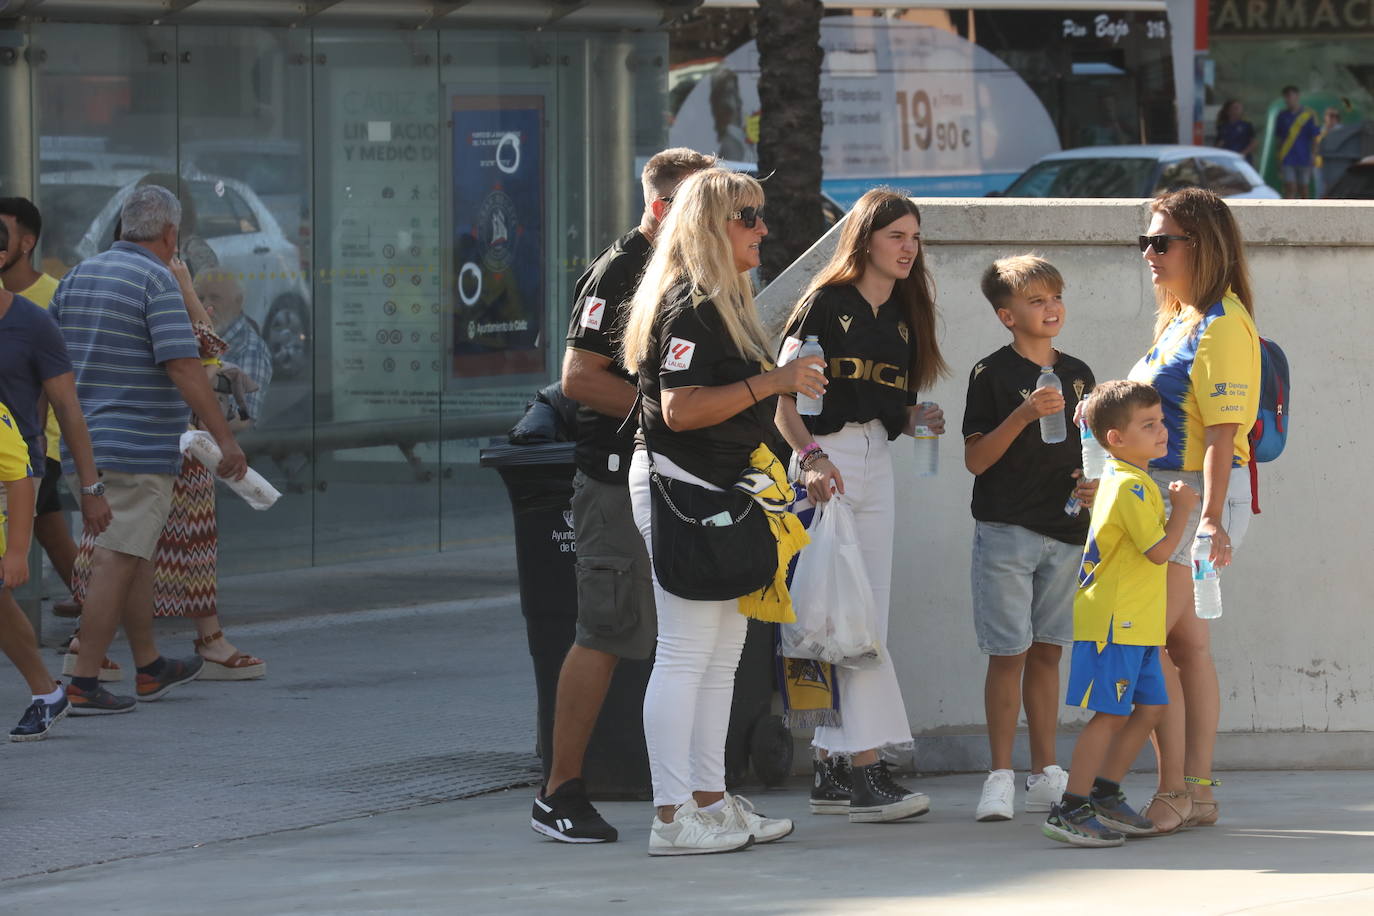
(138, 369)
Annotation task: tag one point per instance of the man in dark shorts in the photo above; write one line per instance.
(24, 223)
(615, 598)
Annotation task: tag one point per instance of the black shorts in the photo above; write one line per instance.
(49, 500)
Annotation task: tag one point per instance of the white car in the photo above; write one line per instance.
(1139, 171)
(241, 231)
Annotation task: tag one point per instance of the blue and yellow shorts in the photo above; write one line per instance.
(1107, 677)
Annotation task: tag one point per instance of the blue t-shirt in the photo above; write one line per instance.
(1235, 136)
(31, 352)
(123, 317)
(1300, 156)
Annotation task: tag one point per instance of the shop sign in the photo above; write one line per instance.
(1291, 17)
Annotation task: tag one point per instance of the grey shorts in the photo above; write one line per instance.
(1023, 587)
(1296, 174)
(615, 592)
(1235, 518)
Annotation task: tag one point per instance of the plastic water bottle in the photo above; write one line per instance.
(808, 406)
(1094, 463)
(1052, 428)
(927, 448)
(1206, 581)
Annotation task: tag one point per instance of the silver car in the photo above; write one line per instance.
(1139, 171)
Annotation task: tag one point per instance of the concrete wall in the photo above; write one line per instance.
(1293, 647)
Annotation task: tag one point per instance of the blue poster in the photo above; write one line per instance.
(498, 235)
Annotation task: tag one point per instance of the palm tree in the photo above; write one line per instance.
(789, 43)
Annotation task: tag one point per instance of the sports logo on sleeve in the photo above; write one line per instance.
(593, 310)
(790, 346)
(679, 355)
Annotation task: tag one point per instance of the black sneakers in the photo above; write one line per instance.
(830, 787)
(38, 718)
(568, 816)
(876, 798)
(175, 671)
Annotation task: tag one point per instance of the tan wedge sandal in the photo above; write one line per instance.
(1168, 799)
(238, 667)
(1205, 810)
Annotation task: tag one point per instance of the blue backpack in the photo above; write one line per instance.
(1270, 433)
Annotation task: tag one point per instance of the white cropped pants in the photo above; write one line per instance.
(687, 703)
(871, 707)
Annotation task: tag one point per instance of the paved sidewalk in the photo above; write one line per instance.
(1291, 843)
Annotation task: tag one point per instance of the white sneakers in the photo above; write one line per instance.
(693, 832)
(1045, 789)
(739, 816)
(999, 791)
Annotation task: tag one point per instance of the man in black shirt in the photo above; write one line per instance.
(615, 599)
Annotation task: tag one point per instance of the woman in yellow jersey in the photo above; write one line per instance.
(1205, 363)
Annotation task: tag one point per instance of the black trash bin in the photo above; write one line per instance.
(538, 479)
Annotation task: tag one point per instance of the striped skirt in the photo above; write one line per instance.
(184, 564)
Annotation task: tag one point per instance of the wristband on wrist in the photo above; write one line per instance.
(751, 390)
(807, 450)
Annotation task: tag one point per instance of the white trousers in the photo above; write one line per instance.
(687, 702)
(871, 706)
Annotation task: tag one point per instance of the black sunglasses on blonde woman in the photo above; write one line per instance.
(1160, 243)
(750, 216)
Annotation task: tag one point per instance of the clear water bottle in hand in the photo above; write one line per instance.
(1052, 428)
(810, 350)
(927, 447)
(1206, 581)
(1094, 463)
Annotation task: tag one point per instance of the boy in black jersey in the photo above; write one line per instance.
(1026, 548)
(615, 598)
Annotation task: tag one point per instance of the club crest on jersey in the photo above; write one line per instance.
(846, 321)
(790, 346)
(1078, 386)
(679, 355)
(904, 331)
(593, 310)
(1139, 491)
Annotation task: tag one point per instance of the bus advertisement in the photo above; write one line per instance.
(938, 101)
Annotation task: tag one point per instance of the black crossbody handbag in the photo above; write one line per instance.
(708, 545)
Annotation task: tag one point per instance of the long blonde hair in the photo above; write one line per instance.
(692, 247)
(878, 209)
(1218, 256)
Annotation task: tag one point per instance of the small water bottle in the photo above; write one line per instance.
(1206, 581)
(808, 406)
(927, 447)
(1052, 428)
(1094, 455)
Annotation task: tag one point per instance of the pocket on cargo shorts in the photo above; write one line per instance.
(606, 603)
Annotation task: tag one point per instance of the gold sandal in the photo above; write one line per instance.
(1212, 811)
(1168, 799)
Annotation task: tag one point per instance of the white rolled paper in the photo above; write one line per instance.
(254, 488)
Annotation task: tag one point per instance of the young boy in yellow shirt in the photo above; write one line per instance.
(1118, 615)
(17, 639)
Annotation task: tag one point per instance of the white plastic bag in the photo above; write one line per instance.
(831, 595)
(254, 488)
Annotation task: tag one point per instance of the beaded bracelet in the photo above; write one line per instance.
(811, 458)
(808, 449)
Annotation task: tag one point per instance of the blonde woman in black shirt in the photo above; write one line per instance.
(695, 340)
(873, 309)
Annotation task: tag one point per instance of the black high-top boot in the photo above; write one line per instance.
(830, 787)
(876, 798)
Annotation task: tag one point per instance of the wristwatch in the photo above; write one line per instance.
(95, 489)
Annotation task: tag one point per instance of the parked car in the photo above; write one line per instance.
(1139, 171)
(276, 170)
(1356, 184)
(236, 224)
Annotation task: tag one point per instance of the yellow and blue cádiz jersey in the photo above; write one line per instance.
(1120, 590)
(14, 460)
(1207, 374)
